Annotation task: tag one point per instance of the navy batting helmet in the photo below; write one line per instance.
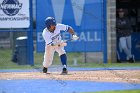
(50, 21)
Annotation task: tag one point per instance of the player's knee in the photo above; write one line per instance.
(47, 64)
(61, 53)
(124, 48)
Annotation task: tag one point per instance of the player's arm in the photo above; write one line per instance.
(47, 39)
(71, 31)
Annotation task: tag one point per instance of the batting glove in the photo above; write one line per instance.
(75, 37)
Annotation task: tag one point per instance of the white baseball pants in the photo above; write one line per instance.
(49, 53)
(125, 44)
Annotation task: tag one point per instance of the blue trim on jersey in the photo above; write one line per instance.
(67, 28)
(50, 43)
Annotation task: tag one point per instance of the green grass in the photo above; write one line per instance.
(95, 65)
(6, 63)
(120, 91)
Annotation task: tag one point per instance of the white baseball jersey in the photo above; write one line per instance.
(55, 37)
(50, 38)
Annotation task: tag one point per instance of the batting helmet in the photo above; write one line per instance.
(50, 21)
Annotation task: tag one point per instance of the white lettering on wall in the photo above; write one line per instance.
(89, 37)
(84, 36)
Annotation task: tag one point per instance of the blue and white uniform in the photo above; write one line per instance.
(53, 37)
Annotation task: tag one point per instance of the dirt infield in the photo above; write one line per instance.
(129, 76)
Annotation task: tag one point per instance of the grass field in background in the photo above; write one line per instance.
(6, 63)
(120, 91)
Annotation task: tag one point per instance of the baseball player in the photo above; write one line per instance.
(124, 32)
(53, 42)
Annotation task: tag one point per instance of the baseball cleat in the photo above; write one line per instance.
(132, 59)
(64, 71)
(45, 70)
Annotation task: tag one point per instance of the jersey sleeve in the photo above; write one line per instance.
(63, 27)
(46, 37)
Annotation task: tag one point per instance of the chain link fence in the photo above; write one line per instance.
(8, 47)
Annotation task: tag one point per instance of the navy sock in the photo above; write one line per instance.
(63, 58)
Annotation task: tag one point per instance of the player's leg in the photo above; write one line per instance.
(123, 45)
(63, 58)
(48, 58)
(128, 42)
(129, 45)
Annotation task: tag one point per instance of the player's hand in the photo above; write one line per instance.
(53, 44)
(62, 44)
(59, 44)
(75, 37)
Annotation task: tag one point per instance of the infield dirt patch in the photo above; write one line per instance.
(129, 76)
